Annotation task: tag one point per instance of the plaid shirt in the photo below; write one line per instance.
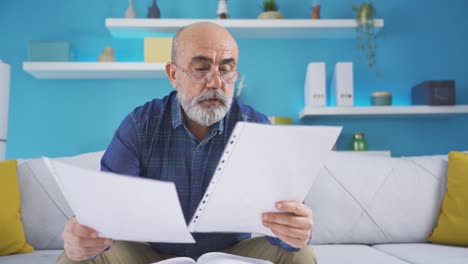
(154, 142)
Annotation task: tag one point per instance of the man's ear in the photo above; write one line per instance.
(171, 74)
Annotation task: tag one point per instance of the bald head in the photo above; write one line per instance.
(202, 34)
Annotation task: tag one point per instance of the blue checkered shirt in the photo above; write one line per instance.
(154, 142)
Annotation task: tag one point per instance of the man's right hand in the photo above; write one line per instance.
(81, 242)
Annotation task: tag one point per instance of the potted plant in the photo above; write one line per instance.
(366, 33)
(270, 10)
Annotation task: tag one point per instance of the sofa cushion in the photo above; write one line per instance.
(452, 225)
(37, 257)
(370, 199)
(44, 207)
(426, 253)
(45, 210)
(12, 238)
(91, 160)
(352, 254)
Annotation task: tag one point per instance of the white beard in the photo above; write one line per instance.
(202, 114)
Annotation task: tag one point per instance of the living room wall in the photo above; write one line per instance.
(423, 40)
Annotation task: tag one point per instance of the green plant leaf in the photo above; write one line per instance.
(270, 5)
(365, 32)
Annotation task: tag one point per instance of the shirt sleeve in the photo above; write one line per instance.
(123, 153)
(278, 242)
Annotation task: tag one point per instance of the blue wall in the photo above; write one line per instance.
(424, 39)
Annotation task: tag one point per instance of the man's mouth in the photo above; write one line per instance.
(212, 101)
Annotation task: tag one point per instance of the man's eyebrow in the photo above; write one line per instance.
(202, 59)
(229, 61)
(208, 60)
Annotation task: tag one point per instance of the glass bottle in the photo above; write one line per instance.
(359, 142)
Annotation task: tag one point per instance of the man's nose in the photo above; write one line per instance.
(215, 81)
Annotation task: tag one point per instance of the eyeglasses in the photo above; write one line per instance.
(204, 77)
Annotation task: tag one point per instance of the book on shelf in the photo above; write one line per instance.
(315, 88)
(343, 84)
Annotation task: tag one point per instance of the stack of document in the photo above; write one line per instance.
(261, 165)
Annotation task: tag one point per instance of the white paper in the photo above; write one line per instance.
(123, 207)
(4, 99)
(218, 257)
(267, 164)
(215, 258)
(180, 260)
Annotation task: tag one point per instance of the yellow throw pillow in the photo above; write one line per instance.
(12, 239)
(452, 225)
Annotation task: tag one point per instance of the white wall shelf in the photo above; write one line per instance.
(378, 153)
(241, 28)
(95, 70)
(383, 111)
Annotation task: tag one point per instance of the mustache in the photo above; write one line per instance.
(212, 94)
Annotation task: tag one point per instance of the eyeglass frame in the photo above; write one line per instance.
(211, 74)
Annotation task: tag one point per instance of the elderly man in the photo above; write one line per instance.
(180, 138)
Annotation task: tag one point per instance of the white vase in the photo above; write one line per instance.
(130, 12)
(222, 12)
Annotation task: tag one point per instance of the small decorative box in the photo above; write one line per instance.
(381, 98)
(158, 49)
(434, 92)
(49, 51)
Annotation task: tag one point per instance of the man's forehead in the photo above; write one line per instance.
(209, 55)
(210, 60)
(207, 34)
(213, 43)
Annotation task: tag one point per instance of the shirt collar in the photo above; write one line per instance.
(177, 119)
(176, 112)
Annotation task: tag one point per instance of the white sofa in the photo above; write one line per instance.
(367, 209)
(371, 209)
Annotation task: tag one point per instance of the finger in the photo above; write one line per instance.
(294, 207)
(289, 220)
(69, 224)
(88, 242)
(291, 241)
(72, 250)
(288, 231)
(80, 242)
(83, 231)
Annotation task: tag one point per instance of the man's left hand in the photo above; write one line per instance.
(293, 225)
